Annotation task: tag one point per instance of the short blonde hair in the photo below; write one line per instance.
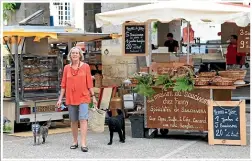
(80, 53)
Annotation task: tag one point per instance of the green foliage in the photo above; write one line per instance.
(6, 8)
(155, 27)
(144, 86)
(144, 90)
(146, 83)
(145, 79)
(184, 84)
(7, 128)
(165, 81)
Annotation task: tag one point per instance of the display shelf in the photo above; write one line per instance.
(40, 74)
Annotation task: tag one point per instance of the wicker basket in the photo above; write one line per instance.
(201, 81)
(207, 74)
(189, 66)
(183, 71)
(134, 80)
(233, 74)
(144, 69)
(164, 70)
(222, 81)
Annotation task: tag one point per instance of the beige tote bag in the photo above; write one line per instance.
(96, 119)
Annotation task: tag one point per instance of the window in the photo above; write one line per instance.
(64, 13)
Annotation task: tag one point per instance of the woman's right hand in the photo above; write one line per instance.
(58, 103)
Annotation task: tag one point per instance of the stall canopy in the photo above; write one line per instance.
(55, 34)
(194, 12)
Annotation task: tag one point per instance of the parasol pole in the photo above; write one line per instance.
(188, 41)
(149, 56)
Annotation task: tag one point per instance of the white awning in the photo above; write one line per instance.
(195, 12)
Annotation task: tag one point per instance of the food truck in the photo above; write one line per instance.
(32, 71)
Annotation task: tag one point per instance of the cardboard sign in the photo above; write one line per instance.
(178, 110)
(244, 40)
(135, 39)
(226, 122)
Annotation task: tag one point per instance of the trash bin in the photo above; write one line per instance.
(137, 126)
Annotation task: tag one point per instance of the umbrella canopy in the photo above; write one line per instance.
(195, 12)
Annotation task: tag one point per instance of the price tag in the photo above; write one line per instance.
(244, 40)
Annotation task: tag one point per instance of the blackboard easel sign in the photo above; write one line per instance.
(135, 39)
(227, 122)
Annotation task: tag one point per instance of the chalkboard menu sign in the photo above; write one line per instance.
(135, 39)
(227, 122)
(244, 39)
(178, 110)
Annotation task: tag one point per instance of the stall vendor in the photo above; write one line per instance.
(232, 56)
(172, 44)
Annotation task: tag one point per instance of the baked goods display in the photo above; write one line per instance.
(39, 73)
(201, 81)
(221, 78)
(237, 74)
(222, 81)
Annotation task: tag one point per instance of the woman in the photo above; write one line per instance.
(78, 85)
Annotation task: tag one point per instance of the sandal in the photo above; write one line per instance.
(74, 146)
(84, 149)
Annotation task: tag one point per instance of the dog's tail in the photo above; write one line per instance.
(48, 123)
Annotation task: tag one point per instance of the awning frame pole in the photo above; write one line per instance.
(16, 79)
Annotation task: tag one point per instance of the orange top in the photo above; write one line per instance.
(77, 84)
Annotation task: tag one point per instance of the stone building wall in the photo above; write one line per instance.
(115, 66)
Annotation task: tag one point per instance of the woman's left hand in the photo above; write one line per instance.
(95, 101)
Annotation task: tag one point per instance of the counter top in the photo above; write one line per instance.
(209, 87)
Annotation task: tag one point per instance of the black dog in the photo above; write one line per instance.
(116, 124)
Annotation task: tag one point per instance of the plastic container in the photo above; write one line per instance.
(129, 101)
(137, 126)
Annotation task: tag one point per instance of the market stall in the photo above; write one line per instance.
(175, 96)
(33, 71)
(179, 100)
